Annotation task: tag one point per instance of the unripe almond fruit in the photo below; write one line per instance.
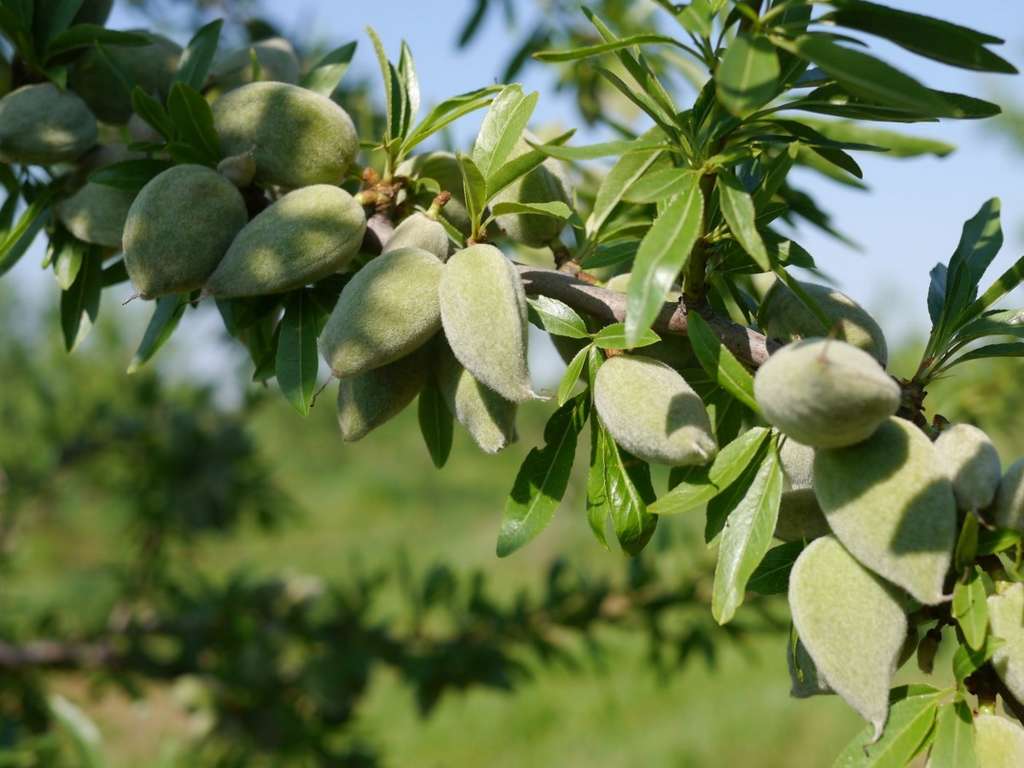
(546, 183)
(240, 170)
(851, 625)
(784, 316)
(442, 167)
(1006, 618)
(96, 214)
(890, 502)
(483, 310)
(998, 742)
(42, 125)
(276, 58)
(650, 410)
(387, 310)
(825, 393)
(1008, 508)
(420, 231)
(800, 515)
(369, 399)
(298, 137)
(972, 463)
(306, 235)
(489, 418)
(178, 229)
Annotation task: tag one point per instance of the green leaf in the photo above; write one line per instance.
(555, 209)
(719, 362)
(980, 241)
(970, 609)
(153, 112)
(772, 575)
(297, 362)
(558, 318)
(407, 71)
(598, 505)
(911, 716)
(990, 542)
(586, 51)
(572, 375)
(85, 35)
(68, 262)
(474, 189)
(53, 20)
(521, 165)
(630, 167)
(614, 337)
(898, 144)
(1007, 281)
(663, 252)
(502, 128)
(953, 746)
(738, 208)
(864, 75)
(627, 483)
(966, 543)
(747, 77)
(1008, 322)
(80, 304)
(436, 423)
(193, 122)
(1012, 349)
(83, 733)
(605, 149)
(447, 112)
(611, 255)
(746, 538)
(16, 241)
(967, 661)
(327, 74)
(392, 90)
(926, 36)
(130, 175)
(166, 315)
(660, 185)
(543, 478)
(696, 485)
(195, 61)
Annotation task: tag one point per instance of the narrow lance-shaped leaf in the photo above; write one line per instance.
(719, 362)
(746, 538)
(327, 74)
(193, 122)
(600, 48)
(558, 318)
(198, 55)
(970, 609)
(953, 746)
(166, 315)
(436, 423)
(738, 208)
(543, 478)
(80, 304)
(475, 190)
(614, 337)
(663, 252)
(572, 375)
(911, 718)
(16, 241)
(407, 71)
(628, 488)
(502, 128)
(747, 77)
(446, 113)
(297, 361)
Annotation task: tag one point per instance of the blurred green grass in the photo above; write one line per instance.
(367, 506)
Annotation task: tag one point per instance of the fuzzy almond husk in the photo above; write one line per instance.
(800, 515)
(784, 316)
(420, 231)
(1006, 618)
(1008, 508)
(489, 418)
(483, 310)
(650, 410)
(306, 235)
(825, 393)
(178, 229)
(42, 125)
(973, 465)
(547, 183)
(442, 167)
(96, 214)
(388, 309)
(369, 399)
(998, 742)
(851, 625)
(891, 504)
(298, 137)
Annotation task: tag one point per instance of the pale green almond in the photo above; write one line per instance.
(96, 214)
(483, 311)
(107, 90)
(825, 393)
(369, 399)
(998, 742)
(547, 183)
(973, 464)
(276, 58)
(650, 410)
(388, 309)
(890, 502)
(298, 137)
(783, 316)
(1008, 509)
(800, 515)
(89, 12)
(42, 125)
(178, 229)
(1006, 618)
(306, 235)
(489, 418)
(850, 624)
(420, 231)
(442, 167)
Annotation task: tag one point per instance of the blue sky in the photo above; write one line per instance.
(909, 220)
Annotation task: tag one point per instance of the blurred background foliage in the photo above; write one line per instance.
(185, 581)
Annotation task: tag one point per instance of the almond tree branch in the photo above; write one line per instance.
(749, 346)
